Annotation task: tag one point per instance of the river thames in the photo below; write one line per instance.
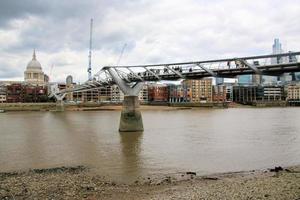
(202, 140)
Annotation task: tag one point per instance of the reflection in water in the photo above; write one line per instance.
(131, 149)
(206, 141)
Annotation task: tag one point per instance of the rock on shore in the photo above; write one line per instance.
(79, 183)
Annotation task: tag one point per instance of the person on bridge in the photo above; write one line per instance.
(228, 64)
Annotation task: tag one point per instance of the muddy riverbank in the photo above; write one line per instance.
(81, 183)
(84, 107)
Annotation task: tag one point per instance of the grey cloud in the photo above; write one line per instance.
(63, 24)
(58, 9)
(154, 30)
(13, 9)
(6, 71)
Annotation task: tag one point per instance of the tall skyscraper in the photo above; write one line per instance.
(245, 79)
(219, 81)
(276, 49)
(250, 79)
(271, 80)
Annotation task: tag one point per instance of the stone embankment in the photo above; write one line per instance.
(78, 107)
(81, 183)
(27, 106)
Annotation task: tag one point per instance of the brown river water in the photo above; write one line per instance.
(202, 140)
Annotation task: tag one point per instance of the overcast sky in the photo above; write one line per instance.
(155, 31)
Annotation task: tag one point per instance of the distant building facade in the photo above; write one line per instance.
(157, 93)
(14, 93)
(178, 93)
(293, 92)
(246, 94)
(2, 93)
(251, 94)
(144, 94)
(245, 79)
(229, 92)
(25, 93)
(219, 93)
(198, 90)
(69, 85)
(273, 93)
(116, 94)
(2, 98)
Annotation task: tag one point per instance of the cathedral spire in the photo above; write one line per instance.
(33, 56)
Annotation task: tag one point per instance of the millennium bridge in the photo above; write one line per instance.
(130, 79)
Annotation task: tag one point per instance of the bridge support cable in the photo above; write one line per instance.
(253, 67)
(126, 88)
(152, 73)
(122, 75)
(207, 70)
(174, 71)
(135, 75)
(59, 98)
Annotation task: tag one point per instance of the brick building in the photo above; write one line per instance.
(178, 93)
(14, 93)
(18, 92)
(219, 93)
(293, 95)
(2, 93)
(158, 93)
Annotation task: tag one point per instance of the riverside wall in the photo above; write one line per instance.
(51, 106)
(27, 106)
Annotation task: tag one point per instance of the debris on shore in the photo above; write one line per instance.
(276, 169)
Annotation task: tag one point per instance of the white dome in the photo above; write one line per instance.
(34, 64)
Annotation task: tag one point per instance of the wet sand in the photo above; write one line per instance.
(81, 183)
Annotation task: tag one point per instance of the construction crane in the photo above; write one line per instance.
(121, 54)
(90, 53)
(50, 73)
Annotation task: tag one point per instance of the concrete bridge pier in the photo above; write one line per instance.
(54, 92)
(131, 117)
(60, 106)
